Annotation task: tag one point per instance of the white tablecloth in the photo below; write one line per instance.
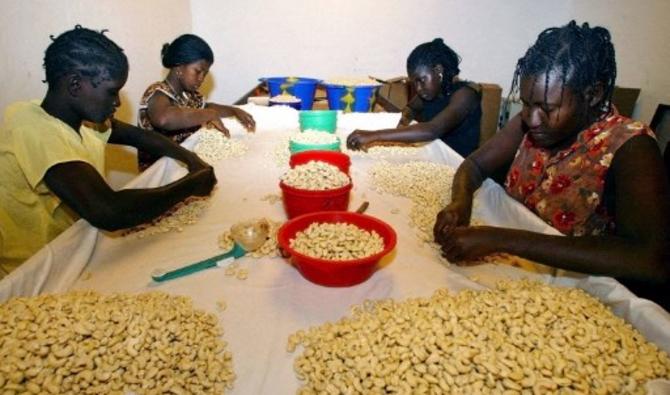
(275, 300)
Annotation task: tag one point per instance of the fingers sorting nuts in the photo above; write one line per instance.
(214, 146)
(427, 184)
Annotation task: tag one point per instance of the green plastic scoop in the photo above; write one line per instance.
(248, 236)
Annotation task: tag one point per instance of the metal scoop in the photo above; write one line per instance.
(248, 236)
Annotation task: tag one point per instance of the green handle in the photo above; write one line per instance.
(236, 252)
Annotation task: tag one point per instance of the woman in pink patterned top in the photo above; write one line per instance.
(591, 173)
(174, 107)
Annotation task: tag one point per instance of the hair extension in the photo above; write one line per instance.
(581, 55)
(85, 51)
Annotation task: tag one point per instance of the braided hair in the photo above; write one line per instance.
(583, 56)
(185, 49)
(431, 54)
(86, 51)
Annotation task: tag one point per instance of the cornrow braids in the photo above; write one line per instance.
(583, 57)
(431, 54)
(85, 51)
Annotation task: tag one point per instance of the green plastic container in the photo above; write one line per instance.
(296, 147)
(324, 120)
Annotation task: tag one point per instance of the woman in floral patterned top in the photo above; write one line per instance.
(174, 107)
(591, 173)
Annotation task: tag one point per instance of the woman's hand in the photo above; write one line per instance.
(360, 139)
(245, 119)
(463, 244)
(215, 122)
(455, 214)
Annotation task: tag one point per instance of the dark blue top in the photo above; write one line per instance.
(465, 138)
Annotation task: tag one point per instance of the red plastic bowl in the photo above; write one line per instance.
(335, 273)
(335, 158)
(302, 201)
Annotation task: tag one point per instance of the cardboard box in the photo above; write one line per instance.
(491, 99)
(393, 96)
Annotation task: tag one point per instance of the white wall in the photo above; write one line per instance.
(260, 38)
(640, 32)
(139, 27)
(257, 38)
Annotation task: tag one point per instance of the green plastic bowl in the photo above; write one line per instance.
(296, 147)
(324, 120)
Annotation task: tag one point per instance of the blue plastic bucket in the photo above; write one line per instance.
(351, 98)
(304, 88)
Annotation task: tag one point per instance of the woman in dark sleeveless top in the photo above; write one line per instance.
(443, 107)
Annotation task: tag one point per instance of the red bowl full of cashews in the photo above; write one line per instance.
(335, 272)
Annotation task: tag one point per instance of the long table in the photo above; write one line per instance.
(276, 300)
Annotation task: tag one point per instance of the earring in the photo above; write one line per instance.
(440, 77)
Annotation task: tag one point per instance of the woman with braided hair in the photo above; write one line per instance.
(174, 107)
(52, 152)
(589, 172)
(444, 107)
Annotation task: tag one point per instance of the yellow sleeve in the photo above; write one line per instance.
(41, 141)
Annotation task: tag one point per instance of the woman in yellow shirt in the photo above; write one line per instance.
(52, 158)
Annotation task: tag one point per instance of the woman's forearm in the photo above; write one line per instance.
(467, 180)
(223, 110)
(176, 119)
(131, 207)
(149, 141)
(416, 133)
(609, 255)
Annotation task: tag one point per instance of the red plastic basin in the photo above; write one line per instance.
(302, 201)
(335, 273)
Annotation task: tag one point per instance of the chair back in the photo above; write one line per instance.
(624, 99)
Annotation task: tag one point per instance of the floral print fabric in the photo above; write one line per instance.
(565, 189)
(185, 100)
